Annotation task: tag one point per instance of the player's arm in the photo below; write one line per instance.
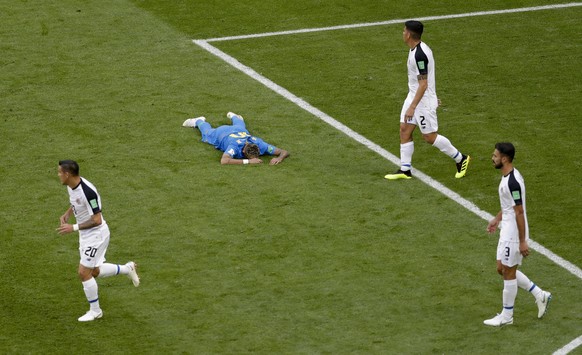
(422, 86)
(229, 160)
(65, 217)
(494, 223)
(280, 154)
(520, 220)
(94, 221)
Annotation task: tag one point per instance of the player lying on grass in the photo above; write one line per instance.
(238, 145)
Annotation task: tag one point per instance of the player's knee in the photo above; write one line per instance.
(85, 273)
(96, 271)
(429, 138)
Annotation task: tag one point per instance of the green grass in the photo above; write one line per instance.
(316, 255)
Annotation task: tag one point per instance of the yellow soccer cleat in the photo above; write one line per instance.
(462, 166)
(399, 174)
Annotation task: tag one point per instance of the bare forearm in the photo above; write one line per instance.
(519, 218)
(422, 86)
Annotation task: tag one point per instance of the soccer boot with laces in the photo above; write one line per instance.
(132, 275)
(91, 316)
(230, 115)
(462, 166)
(498, 321)
(191, 122)
(399, 174)
(543, 303)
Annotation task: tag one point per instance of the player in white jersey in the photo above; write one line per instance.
(420, 106)
(85, 204)
(513, 238)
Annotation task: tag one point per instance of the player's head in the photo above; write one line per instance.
(414, 29)
(251, 151)
(504, 153)
(68, 168)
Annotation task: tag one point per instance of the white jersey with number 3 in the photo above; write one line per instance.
(511, 194)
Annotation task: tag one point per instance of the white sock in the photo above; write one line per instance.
(91, 292)
(525, 283)
(509, 294)
(107, 270)
(445, 146)
(406, 151)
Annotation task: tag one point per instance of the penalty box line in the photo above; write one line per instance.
(392, 22)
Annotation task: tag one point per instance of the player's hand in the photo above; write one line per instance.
(65, 228)
(275, 161)
(64, 219)
(409, 114)
(255, 161)
(524, 248)
(492, 226)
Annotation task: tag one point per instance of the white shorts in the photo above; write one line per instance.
(424, 117)
(93, 246)
(508, 253)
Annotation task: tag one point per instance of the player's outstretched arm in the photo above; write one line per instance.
(281, 154)
(228, 160)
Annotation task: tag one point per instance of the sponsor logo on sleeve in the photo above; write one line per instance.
(93, 203)
(271, 149)
(420, 65)
(516, 195)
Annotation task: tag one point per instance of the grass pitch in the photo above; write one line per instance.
(319, 254)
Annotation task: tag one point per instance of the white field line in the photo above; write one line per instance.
(392, 22)
(575, 270)
(571, 346)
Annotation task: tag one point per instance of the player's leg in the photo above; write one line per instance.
(237, 120)
(129, 269)
(406, 146)
(505, 257)
(91, 293)
(193, 122)
(542, 297)
(509, 291)
(428, 125)
(92, 252)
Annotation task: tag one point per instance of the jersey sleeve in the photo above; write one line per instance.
(515, 190)
(264, 147)
(232, 150)
(421, 60)
(92, 199)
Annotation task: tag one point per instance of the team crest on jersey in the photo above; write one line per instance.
(420, 65)
(516, 195)
(78, 201)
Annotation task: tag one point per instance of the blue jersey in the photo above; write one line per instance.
(232, 139)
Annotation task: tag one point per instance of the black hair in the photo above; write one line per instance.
(506, 149)
(69, 166)
(414, 27)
